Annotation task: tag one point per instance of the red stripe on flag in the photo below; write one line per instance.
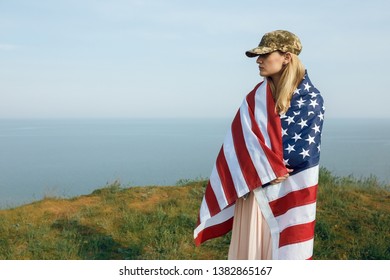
(296, 234)
(214, 231)
(211, 200)
(293, 199)
(274, 127)
(275, 160)
(226, 177)
(247, 168)
(250, 99)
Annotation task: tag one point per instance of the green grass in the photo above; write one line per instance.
(353, 222)
(353, 218)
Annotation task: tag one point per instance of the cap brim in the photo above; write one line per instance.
(251, 54)
(258, 51)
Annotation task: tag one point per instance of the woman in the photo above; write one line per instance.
(264, 183)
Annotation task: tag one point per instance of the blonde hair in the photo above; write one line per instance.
(291, 76)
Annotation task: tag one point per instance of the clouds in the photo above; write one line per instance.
(180, 58)
(8, 47)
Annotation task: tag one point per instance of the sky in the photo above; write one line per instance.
(183, 59)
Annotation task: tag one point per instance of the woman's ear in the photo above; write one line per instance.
(287, 58)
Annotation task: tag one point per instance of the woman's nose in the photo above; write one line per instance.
(259, 60)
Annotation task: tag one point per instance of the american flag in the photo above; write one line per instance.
(256, 150)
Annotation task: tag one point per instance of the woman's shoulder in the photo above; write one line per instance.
(307, 86)
(307, 97)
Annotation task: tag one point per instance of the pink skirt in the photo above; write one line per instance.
(251, 236)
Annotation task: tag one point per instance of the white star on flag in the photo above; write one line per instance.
(305, 153)
(300, 102)
(307, 86)
(297, 137)
(290, 120)
(310, 139)
(313, 103)
(290, 148)
(316, 128)
(297, 91)
(303, 123)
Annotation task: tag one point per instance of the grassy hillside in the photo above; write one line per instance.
(353, 222)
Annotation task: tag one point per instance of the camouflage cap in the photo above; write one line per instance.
(278, 40)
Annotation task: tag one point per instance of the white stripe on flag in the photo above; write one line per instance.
(258, 157)
(263, 203)
(234, 166)
(219, 218)
(216, 185)
(261, 112)
(296, 182)
(204, 212)
(296, 216)
(297, 251)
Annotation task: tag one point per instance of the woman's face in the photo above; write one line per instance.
(271, 64)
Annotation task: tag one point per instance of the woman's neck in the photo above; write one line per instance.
(275, 79)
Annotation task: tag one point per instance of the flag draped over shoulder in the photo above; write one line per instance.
(256, 150)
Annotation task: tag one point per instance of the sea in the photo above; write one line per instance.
(70, 157)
